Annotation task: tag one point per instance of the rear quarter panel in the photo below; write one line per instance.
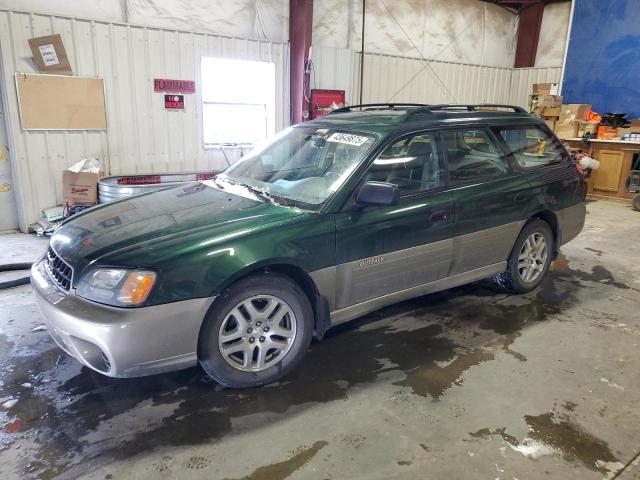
(561, 190)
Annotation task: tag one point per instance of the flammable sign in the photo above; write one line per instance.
(173, 102)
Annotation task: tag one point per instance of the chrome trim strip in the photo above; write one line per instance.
(359, 309)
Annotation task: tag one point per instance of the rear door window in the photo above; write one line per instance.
(472, 155)
(531, 146)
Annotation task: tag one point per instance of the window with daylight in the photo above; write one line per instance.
(238, 101)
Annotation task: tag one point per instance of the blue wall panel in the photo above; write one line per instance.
(603, 59)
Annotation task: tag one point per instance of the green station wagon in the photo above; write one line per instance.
(334, 218)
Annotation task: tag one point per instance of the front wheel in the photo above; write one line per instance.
(529, 260)
(257, 331)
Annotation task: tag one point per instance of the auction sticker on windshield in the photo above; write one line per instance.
(347, 138)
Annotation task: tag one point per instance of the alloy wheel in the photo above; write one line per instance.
(533, 257)
(257, 333)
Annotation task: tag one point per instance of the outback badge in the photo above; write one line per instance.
(372, 261)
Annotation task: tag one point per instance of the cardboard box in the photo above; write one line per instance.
(587, 127)
(545, 101)
(551, 122)
(49, 55)
(635, 125)
(607, 133)
(546, 88)
(551, 111)
(80, 188)
(566, 130)
(623, 131)
(574, 111)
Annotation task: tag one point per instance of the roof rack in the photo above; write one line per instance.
(472, 107)
(417, 108)
(378, 106)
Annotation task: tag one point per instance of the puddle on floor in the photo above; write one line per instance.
(556, 434)
(284, 469)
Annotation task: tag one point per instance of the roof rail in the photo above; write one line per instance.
(470, 107)
(377, 106)
(419, 108)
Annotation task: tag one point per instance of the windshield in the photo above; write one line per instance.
(302, 164)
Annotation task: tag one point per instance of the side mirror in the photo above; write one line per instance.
(378, 193)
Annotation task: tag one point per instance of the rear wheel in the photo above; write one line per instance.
(529, 260)
(256, 332)
(636, 202)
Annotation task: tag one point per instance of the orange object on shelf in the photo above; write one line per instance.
(593, 117)
(607, 133)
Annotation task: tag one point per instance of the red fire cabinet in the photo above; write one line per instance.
(323, 101)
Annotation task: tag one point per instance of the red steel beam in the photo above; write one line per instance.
(529, 22)
(300, 25)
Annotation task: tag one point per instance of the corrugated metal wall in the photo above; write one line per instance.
(333, 69)
(141, 135)
(523, 78)
(413, 80)
(401, 79)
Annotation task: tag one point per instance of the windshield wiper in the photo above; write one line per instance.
(219, 183)
(258, 192)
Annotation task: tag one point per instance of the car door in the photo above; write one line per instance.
(489, 196)
(386, 249)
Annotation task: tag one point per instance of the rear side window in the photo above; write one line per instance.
(472, 155)
(531, 146)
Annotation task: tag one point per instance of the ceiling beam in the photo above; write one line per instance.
(300, 25)
(529, 23)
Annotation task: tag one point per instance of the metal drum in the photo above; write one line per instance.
(119, 187)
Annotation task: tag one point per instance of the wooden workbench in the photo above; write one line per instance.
(616, 159)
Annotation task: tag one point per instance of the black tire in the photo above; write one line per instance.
(636, 202)
(510, 280)
(10, 267)
(281, 286)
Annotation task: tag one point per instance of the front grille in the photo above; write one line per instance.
(58, 270)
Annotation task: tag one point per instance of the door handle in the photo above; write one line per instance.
(439, 216)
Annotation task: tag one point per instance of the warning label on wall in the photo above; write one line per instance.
(177, 86)
(174, 102)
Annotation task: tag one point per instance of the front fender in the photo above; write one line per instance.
(306, 243)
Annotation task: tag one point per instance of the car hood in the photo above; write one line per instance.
(195, 212)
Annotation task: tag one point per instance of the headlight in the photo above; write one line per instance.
(116, 286)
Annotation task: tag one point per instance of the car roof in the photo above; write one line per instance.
(385, 119)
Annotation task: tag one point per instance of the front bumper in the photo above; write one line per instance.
(121, 342)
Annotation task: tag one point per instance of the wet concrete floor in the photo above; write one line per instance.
(467, 383)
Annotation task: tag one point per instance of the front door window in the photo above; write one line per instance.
(413, 163)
